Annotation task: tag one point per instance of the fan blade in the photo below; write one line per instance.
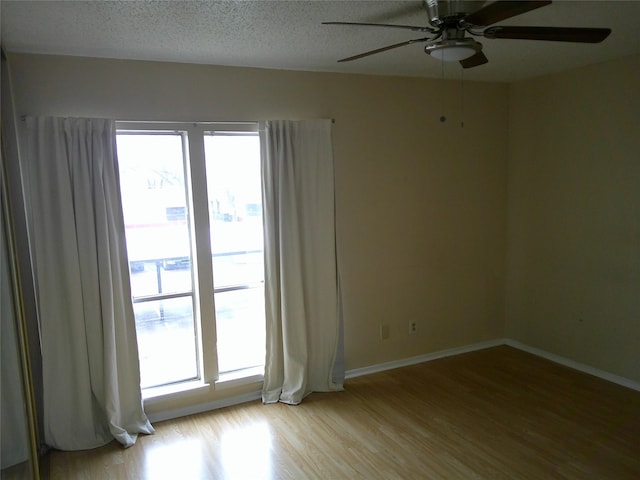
(388, 25)
(555, 34)
(384, 49)
(501, 10)
(474, 61)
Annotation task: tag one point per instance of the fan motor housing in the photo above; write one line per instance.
(449, 11)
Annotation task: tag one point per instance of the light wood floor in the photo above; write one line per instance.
(495, 413)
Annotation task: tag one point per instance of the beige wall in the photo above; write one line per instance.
(421, 205)
(573, 274)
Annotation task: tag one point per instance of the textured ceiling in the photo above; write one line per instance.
(289, 35)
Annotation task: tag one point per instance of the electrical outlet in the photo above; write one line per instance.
(384, 332)
(413, 327)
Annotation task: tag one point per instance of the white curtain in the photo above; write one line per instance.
(301, 275)
(89, 349)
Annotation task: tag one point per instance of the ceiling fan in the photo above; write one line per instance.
(451, 20)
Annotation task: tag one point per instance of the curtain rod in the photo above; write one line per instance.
(201, 122)
(206, 122)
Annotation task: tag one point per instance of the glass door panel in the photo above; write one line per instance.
(235, 215)
(158, 235)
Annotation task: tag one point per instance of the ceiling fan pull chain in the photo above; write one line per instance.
(443, 118)
(462, 98)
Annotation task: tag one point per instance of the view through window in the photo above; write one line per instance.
(235, 213)
(162, 193)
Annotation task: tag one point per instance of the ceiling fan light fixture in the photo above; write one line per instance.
(453, 50)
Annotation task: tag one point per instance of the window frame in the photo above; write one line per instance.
(203, 289)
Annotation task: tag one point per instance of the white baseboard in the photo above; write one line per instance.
(625, 382)
(405, 362)
(203, 407)
(381, 367)
(251, 396)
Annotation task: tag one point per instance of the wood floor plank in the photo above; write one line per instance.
(495, 413)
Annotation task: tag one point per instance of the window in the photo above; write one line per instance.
(235, 216)
(193, 221)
